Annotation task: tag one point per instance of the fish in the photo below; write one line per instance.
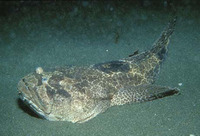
(79, 93)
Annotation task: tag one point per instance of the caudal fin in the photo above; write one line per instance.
(160, 46)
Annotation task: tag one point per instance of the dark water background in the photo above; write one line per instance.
(49, 34)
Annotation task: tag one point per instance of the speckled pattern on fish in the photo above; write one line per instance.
(78, 94)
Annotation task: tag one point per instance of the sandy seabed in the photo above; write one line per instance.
(83, 33)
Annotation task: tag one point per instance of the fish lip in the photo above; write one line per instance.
(21, 96)
(27, 100)
(32, 106)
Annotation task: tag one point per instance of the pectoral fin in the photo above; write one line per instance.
(142, 93)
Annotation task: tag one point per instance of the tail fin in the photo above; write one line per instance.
(160, 46)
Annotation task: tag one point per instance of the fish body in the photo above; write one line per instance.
(78, 94)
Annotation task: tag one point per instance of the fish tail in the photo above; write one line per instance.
(160, 46)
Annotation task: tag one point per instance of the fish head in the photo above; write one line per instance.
(32, 91)
(56, 97)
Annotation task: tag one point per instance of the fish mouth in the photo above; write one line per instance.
(31, 105)
(28, 96)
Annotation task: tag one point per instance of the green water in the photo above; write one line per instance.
(83, 33)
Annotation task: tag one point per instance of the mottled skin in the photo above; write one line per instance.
(78, 94)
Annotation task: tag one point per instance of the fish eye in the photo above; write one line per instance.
(44, 80)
